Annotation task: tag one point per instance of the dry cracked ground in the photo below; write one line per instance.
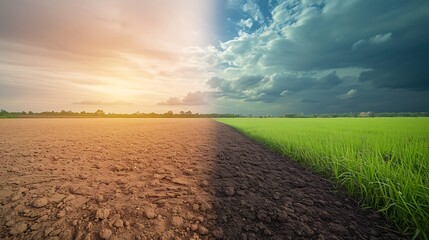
(163, 179)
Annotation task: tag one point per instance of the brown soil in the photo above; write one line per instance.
(163, 179)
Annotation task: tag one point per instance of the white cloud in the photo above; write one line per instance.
(192, 98)
(376, 39)
(253, 10)
(284, 93)
(359, 44)
(380, 38)
(288, 12)
(350, 94)
(246, 23)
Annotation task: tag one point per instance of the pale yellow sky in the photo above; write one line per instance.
(121, 56)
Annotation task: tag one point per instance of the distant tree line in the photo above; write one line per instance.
(358, 114)
(188, 114)
(101, 114)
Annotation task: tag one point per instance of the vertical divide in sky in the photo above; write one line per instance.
(236, 56)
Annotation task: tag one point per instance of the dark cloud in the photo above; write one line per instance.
(325, 39)
(335, 55)
(405, 72)
(271, 87)
(192, 98)
(329, 81)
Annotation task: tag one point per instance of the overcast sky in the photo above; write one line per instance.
(238, 56)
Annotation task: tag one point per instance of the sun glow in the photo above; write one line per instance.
(129, 51)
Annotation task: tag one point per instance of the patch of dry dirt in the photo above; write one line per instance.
(162, 179)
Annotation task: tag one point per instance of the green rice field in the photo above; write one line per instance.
(384, 162)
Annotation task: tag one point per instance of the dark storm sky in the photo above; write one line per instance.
(322, 56)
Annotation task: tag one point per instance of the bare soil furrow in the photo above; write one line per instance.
(163, 179)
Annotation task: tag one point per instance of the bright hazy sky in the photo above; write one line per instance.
(237, 56)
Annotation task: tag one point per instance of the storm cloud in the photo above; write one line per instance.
(329, 56)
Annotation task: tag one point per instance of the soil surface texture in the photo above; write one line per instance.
(163, 179)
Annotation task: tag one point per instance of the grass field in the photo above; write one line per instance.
(383, 161)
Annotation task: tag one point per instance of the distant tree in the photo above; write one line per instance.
(182, 112)
(168, 114)
(99, 112)
(188, 112)
(366, 114)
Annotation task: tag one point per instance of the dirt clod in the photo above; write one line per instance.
(15, 197)
(118, 223)
(218, 233)
(105, 233)
(10, 223)
(338, 229)
(35, 226)
(194, 227)
(203, 230)
(102, 213)
(18, 228)
(57, 198)
(40, 202)
(205, 206)
(149, 213)
(177, 221)
(48, 231)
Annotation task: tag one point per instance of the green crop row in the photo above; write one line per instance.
(382, 161)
